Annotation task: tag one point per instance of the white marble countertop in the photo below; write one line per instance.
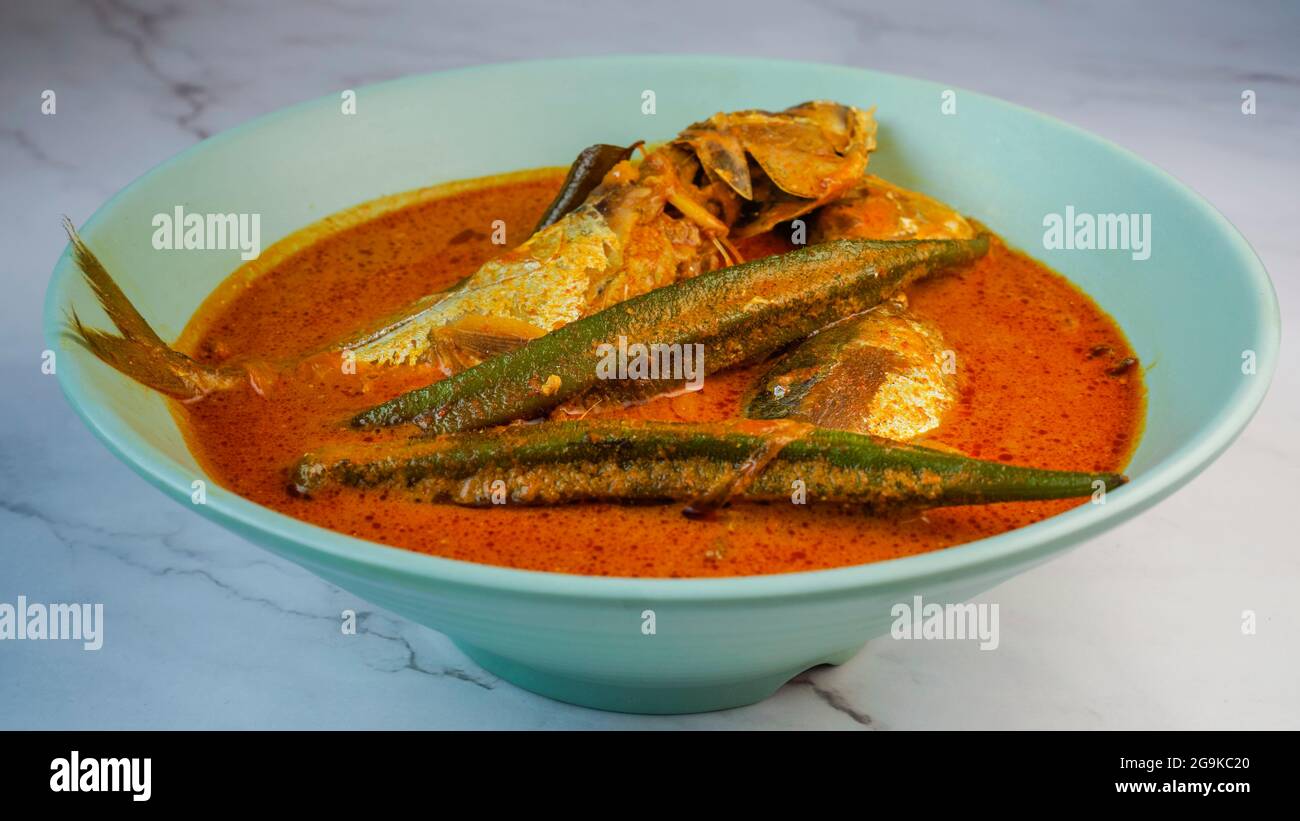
(1138, 628)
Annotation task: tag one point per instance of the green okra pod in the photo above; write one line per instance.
(738, 314)
(584, 175)
(636, 461)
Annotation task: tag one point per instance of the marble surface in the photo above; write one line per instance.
(1139, 628)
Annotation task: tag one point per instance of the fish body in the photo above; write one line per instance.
(528, 291)
(884, 372)
(875, 208)
(622, 242)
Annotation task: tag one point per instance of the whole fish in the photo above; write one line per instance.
(641, 227)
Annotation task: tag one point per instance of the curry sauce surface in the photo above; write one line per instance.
(1043, 375)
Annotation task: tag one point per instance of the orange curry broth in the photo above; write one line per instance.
(1032, 352)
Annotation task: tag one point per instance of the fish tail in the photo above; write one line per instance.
(138, 351)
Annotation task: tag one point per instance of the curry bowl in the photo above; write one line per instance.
(1194, 301)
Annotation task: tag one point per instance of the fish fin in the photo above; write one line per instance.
(138, 352)
(474, 338)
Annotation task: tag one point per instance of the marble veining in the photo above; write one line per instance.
(1138, 628)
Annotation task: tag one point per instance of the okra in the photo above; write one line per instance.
(584, 175)
(738, 314)
(552, 463)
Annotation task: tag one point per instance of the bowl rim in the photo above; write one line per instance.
(987, 556)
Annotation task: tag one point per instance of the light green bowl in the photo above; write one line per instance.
(1191, 310)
